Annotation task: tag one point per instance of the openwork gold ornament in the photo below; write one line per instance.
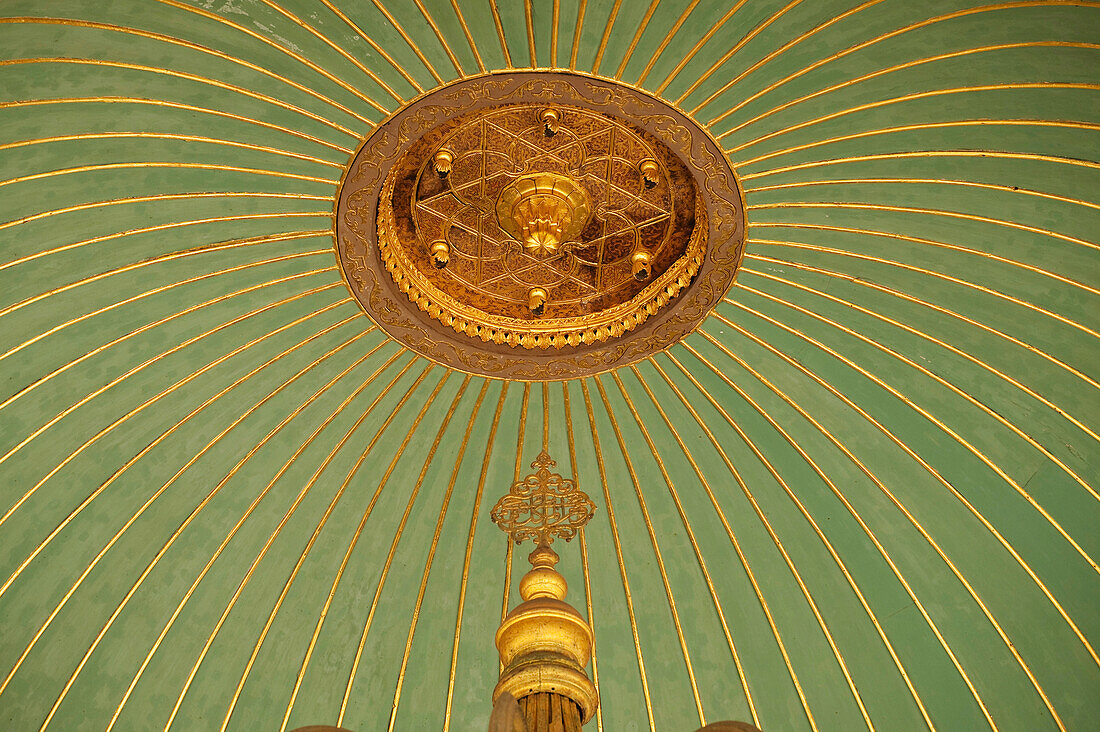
(538, 225)
(543, 505)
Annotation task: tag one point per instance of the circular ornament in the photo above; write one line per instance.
(538, 225)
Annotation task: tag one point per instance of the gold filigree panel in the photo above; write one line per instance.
(543, 505)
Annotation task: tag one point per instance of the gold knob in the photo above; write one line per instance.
(551, 121)
(443, 160)
(639, 265)
(536, 300)
(650, 172)
(441, 254)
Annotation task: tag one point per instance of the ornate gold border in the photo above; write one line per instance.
(362, 262)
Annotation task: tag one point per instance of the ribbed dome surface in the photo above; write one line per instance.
(860, 496)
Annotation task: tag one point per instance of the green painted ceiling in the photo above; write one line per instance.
(861, 496)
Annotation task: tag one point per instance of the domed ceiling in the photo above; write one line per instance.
(860, 495)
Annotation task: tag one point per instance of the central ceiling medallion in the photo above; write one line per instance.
(538, 225)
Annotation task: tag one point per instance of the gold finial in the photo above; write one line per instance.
(551, 121)
(536, 300)
(639, 265)
(650, 172)
(441, 254)
(544, 643)
(443, 160)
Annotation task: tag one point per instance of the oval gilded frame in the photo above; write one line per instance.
(356, 231)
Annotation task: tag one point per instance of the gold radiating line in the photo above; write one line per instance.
(730, 53)
(918, 154)
(919, 301)
(176, 348)
(469, 37)
(149, 568)
(297, 57)
(358, 530)
(555, 13)
(935, 181)
(91, 497)
(148, 326)
(263, 551)
(521, 436)
(163, 288)
(248, 511)
(584, 550)
(500, 33)
(189, 77)
(906, 98)
(576, 37)
(891, 34)
(973, 450)
(545, 416)
(167, 164)
(160, 197)
(370, 41)
(953, 349)
(943, 481)
(401, 525)
(202, 49)
(469, 552)
(435, 542)
(664, 43)
(777, 52)
(301, 558)
(618, 550)
(779, 544)
(442, 40)
(169, 136)
(637, 37)
(588, 609)
(408, 40)
(733, 539)
(714, 28)
(176, 105)
(649, 528)
(530, 33)
(919, 126)
(929, 242)
(356, 62)
(929, 211)
(606, 35)
(687, 524)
